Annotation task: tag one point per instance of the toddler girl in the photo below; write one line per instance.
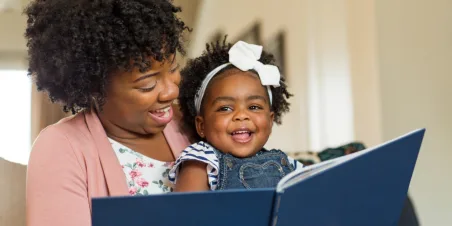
(231, 96)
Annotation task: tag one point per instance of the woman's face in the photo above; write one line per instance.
(141, 103)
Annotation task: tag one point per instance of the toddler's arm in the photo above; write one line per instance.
(192, 177)
(196, 169)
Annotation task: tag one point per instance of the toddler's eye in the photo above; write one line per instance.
(255, 107)
(225, 108)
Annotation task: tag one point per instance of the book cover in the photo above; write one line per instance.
(363, 188)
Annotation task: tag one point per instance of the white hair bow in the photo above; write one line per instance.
(245, 57)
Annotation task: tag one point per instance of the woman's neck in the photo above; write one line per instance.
(153, 146)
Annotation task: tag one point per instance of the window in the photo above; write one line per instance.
(15, 115)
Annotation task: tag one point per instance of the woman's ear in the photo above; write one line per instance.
(199, 121)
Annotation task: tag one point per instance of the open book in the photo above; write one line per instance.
(364, 188)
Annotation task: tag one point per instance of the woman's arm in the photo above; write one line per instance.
(56, 191)
(192, 177)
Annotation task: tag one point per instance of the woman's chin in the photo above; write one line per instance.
(152, 130)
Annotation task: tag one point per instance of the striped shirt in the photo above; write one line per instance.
(205, 153)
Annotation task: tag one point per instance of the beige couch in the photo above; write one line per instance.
(12, 193)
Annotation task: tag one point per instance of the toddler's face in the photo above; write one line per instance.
(236, 115)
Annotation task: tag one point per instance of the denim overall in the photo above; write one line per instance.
(263, 170)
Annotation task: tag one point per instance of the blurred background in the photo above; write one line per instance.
(361, 70)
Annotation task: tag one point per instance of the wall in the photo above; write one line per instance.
(12, 27)
(364, 71)
(12, 41)
(415, 64)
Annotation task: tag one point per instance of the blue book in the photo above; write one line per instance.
(365, 188)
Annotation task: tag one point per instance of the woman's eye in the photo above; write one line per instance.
(175, 68)
(149, 88)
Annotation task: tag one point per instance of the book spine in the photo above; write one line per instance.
(274, 219)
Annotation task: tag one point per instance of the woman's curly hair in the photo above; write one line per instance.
(74, 46)
(197, 69)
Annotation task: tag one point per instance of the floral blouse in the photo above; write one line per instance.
(144, 175)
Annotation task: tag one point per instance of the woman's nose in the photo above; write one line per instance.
(170, 89)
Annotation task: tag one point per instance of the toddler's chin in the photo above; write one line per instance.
(243, 153)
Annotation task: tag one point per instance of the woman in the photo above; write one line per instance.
(112, 63)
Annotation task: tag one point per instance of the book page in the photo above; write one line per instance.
(299, 175)
(309, 171)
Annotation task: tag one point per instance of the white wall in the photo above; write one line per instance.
(415, 55)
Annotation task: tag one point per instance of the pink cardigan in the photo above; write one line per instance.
(71, 162)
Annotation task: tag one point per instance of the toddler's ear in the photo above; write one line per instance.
(199, 121)
(272, 116)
